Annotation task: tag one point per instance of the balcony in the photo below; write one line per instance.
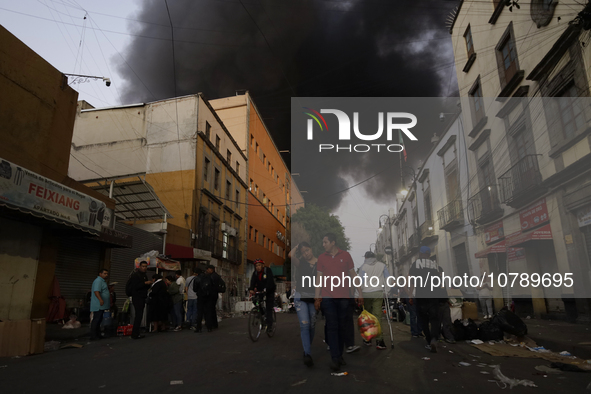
(413, 243)
(451, 216)
(427, 231)
(217, 250)
(204, 243)
(522, 182)
(484, 206)
(234, 255)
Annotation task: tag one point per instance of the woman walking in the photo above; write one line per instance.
(305, 262)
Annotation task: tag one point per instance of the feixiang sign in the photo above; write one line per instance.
(40, 196)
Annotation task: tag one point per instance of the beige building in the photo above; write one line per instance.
(524, 85)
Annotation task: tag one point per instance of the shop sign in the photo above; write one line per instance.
(534, 215)
(494, 232)
(514, 254)
(584, 216)
(38, 195)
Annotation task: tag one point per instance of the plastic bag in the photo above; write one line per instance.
(488, 331)
(369, 325)
(510, 322)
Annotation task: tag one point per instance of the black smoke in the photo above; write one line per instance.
(279, 49)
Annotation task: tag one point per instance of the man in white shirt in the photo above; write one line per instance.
(180, 281)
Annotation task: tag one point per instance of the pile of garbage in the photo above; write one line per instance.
(503, 322)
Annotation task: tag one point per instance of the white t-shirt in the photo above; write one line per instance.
(191, 295)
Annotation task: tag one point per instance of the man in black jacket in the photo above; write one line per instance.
(262, 280)
(140, 286)
(203, 287)
(213, 297)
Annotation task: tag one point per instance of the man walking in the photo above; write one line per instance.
(99, 303)
(202, 287)
(374, 295)
(427, 301)
(191, 300)
(139, 285)
(334, 300)
(213, 297)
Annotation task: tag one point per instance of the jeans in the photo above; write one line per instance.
(138, 306)
(428, 311)
(307, 318)
(192, 311)
(415, 327)
(338, 314)
(486, 306)
(176, 314)
(95, 325)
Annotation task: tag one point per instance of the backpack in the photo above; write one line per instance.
(221, 285)
(202, 285)
(129, 286)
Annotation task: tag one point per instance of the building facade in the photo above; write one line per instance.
(524, 82)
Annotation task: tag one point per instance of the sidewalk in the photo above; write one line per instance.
(558, 336)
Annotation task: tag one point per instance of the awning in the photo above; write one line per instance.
(136, 199)
(496, 248)
(157, 262)
(540, 234)
(187, 252)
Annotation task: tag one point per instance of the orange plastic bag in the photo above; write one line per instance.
(369, 325)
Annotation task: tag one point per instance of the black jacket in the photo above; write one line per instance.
(267, 281)
(138, 284)
(203, 285)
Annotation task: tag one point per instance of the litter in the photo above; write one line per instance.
(357, 380)
(570, 367)
(16, 357)
(511, 382)
(299, 383)
(539, 349)
(547, 369)
(464, 364)
(71, 345)
(435, 380)
(472, 355)
(173, 382)
(485, 373)
(482, 365)
(339, 374)
(425, 358)
(565, 353)
(476, 342)
(103, 386)
(450, 351)
(3, 366)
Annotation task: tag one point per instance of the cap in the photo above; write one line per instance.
(258, 261)
(425, 249)
(369, 255)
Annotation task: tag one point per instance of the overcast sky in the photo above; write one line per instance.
(274, 49)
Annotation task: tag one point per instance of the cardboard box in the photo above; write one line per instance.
(37, 336)
(15, 338)
(470, 311)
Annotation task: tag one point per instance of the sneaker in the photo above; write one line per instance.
(433, 346)
(380, 345)
(352, 349)
(450, 340)
(335, 364)
(177, 329)
(366, 343)
(308, 360)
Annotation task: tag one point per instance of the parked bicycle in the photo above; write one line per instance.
(257, 320)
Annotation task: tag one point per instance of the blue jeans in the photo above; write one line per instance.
(95, 325)
(192, 311)
(338, 314)
(415, 329)
(307, 317)
(176, 314)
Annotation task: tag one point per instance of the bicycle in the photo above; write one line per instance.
(257, 320)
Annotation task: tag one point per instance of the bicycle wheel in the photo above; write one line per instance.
(255, 324)
(272, 332)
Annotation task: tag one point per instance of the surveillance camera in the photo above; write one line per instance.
(441, 117)
(107, 81)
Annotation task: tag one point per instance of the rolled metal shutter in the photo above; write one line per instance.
(122, 259)
(77, 267)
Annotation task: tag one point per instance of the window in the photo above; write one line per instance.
(250, 231)
(571, 112)
(506, 54)
(427, 199)
(264, 244)
(264, 159)
(229, 157)
(216, 179)
(238, 168)
(256, 235)
(252, 140)
(228, 187)
(461, 260)
(207, 130)
(217, 142)
(451, 181)
(476, 102)
(206, 169)
(469, 44)
(237, 200)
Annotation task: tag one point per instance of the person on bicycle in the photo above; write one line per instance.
(262, 280)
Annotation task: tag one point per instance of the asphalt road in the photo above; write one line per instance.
(226, 361)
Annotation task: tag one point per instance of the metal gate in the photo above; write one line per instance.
(78, 261)
(122, 259)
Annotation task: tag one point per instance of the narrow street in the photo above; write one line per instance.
(226, 360)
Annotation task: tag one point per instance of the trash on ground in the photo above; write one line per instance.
(173, 382)
(435, 380)
(464, 364)
(472, 355)
(482, 365)
(476, 342)
(571, 367)
(450, 351)
(425, 358)
(3, 366)
(357, 380)
(565, 353)
(547, 369)
(511, 382)
(103, 386)
(16, 357)
(71, 345)
(510, 322)
(238, 372)
(485, 373)
(339, 373)
(299, 383)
